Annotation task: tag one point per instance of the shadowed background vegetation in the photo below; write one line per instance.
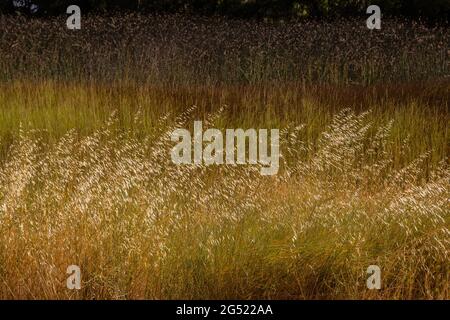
(177, 49)
(434, 9)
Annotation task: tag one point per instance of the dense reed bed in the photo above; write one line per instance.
(86, 176)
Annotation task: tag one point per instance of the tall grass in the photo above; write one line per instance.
(86, 176)
(176, 49)
(142, 227)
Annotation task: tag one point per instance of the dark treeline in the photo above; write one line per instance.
(433, 9)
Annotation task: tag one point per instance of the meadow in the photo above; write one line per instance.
(86, 176)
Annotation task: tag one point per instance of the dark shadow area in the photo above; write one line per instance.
(434, 10)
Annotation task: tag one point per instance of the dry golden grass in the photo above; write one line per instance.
(86, 176)
(111, 201)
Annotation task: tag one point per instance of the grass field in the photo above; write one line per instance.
(86, 176)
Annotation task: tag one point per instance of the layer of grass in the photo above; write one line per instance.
(354, 189)
(419, 110)
(86, 176)
(177, 49)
